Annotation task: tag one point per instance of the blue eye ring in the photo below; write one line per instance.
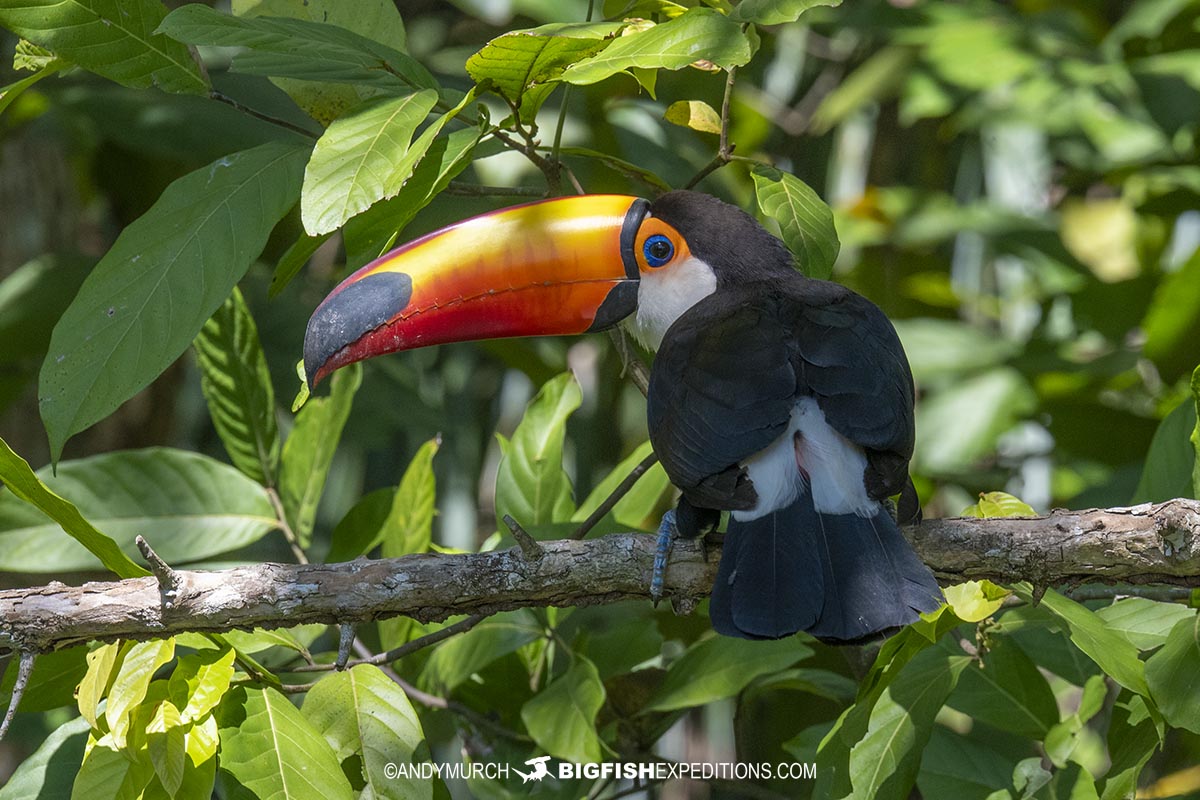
(658, 250)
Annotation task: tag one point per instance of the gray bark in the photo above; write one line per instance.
(1140, 545)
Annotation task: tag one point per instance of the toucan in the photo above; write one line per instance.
(783, 400)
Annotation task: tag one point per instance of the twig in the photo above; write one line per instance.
(24, 670)
(221, 97)
(724, 149)
(168, 580)
(408, 648)
(285, 528)
(475, 190)
(552, 178)
(345, 642)
(631, 365)
(615, 497)
(529, 547)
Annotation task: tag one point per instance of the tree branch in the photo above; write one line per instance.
(1144, 544)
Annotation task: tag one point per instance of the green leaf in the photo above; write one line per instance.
(562, 717)
(1132, 740)
(269, 748)
(363, 157)
(132, 681)
(776, 12)
(1172, 323)
(199, 682)
(1171, 459)
(31, 57)
(1173, 674)
(112, 38)
(531, 483)
(25, 485)
(961, 767)
(1007, 691)
(296, 48)
(1064, 741)
(522, 66)
(101, 666)
(700, 33)
(998, 504)
(461, 657)
(188, 505)
(620, 166)
(237, 386)
(363, 711)
(876, 79)
(293, 260)
(1143, 622)
(1195, 437)
(50, 771)
(885, 763)
(167, 273)
(1112, 652)
(636, 508)
(166, 742)
(377, 20)
(362, 527)
(11, 92)
(695, 114)
(31, 300)
(974, 601)
(970, 415)
(109, 771)
(308, 451)
(56, 676)
(720, 667)
(409, 525)
(371, 233)
(805, 222)
(938, 348)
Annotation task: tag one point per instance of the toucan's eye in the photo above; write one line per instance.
(658, 250)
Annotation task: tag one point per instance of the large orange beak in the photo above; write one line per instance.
(553, 267)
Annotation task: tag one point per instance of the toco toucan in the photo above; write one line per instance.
(784, 400)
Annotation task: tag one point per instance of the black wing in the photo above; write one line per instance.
(730, 370)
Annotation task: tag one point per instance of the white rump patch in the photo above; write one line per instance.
(834, 464)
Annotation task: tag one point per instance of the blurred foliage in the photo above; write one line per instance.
(1015, 183)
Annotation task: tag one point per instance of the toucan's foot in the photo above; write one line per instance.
(662, 551)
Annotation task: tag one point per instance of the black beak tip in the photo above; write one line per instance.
(349, 315)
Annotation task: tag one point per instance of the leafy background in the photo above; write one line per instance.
(1014, 183)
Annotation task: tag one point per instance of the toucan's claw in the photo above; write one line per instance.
(667, 533)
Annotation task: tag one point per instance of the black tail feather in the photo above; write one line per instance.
(841, 577)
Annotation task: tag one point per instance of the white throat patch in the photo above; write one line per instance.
(664, 294)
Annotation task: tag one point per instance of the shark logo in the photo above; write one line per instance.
(538, 772)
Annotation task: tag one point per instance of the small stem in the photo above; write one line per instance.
(476, 190)
(345, 642)
(408, 648)
(285, 528)
(221, 97)
(24, 671)
(631, 365)
(558, 129)
(531, 549)
(622, 489)
(168, 579)
(724, 148)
